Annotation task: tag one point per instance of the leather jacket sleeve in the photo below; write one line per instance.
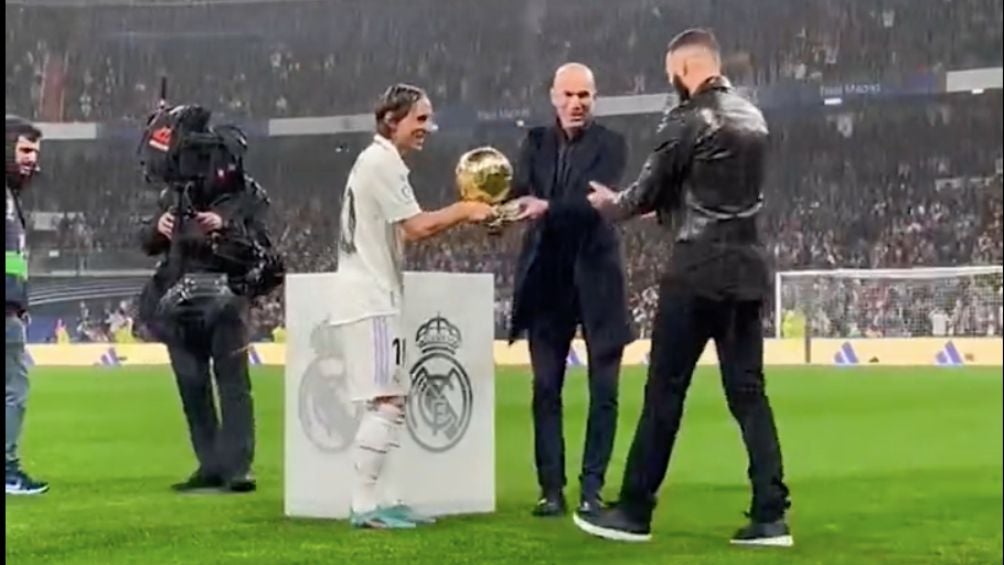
(657, 187)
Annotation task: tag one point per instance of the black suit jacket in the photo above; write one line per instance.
(570, 264)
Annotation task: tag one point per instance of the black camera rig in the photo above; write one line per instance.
(180, 150)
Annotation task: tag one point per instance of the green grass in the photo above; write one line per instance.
(885, 465)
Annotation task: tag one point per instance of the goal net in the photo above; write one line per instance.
(932, 302)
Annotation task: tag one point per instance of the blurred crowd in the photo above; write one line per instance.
(886, 183)
(323, 57)
(959, 304)
(906, 184)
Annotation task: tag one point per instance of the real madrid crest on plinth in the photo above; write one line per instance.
(327, 415)
(447, 459)
(441, 402)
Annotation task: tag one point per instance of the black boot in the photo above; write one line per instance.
(242, 483)
(590, 503)
(199, 482)
(551, 504)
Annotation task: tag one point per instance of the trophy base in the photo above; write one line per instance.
(504, 214)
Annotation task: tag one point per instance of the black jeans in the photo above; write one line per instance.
(224, 444)
(549, 346)
(683, 325)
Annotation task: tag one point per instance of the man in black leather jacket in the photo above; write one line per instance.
(704, 181)
(196, 305)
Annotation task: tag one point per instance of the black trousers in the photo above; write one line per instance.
(683, 325)
(224, 444)
(549, 341)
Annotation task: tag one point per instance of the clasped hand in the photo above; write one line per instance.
(533, 208)
(207, 221)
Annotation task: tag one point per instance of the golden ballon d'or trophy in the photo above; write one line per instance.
(485, 175)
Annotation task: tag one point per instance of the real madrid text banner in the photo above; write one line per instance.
(447, 459)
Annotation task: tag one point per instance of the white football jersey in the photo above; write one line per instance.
(370, 249)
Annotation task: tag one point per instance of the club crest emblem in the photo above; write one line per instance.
(328, 416)
(441, 401)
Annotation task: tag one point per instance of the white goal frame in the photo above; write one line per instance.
(920, 273)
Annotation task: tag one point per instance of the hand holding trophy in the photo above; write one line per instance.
(485, 175)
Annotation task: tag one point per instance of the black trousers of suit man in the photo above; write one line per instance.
(550, 339)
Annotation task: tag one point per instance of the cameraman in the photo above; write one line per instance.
(210, 235)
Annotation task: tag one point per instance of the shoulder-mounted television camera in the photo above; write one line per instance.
(178, 146)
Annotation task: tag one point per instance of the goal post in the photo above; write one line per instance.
(920, 302)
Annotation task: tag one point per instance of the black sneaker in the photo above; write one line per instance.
(613, 524)
(242, 483)
(198, 483)
(18, 483)
(551, 505)
(772, 534)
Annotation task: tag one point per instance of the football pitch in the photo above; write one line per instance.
(885, 466)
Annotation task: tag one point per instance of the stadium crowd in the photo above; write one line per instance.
(102, 62)
(887, 186)
(903, 182)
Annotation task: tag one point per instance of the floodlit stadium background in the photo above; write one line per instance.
(887, 153)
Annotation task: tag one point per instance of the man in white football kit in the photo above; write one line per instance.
(380, 213)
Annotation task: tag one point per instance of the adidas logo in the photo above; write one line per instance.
(573, 359)
(949, 356)
(846, 355)
(110, 358)
(253, 357)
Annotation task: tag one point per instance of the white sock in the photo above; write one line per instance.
(389, 487)
(378, 430)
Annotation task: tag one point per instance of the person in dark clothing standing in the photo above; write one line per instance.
(196, 305)
(22, 143)
(569, 273)
(703, 179)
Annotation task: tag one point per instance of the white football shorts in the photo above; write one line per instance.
(374, 357)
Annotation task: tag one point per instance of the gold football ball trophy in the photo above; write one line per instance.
(485, 175)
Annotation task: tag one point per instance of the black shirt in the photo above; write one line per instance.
(563, 168)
